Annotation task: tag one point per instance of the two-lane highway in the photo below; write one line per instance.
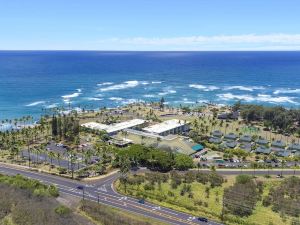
(102, 191)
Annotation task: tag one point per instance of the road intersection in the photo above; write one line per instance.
(102, 191)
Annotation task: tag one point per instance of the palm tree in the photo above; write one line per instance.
(58, 157)
(51, 156)
(226, 126)
(73, 158)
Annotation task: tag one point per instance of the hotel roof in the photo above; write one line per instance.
(114, 127)
(165, 126)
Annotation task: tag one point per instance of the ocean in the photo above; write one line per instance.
(31, 81)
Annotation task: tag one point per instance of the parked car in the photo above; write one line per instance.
(141, 201)
(203, 219)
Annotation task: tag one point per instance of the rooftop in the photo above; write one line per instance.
(114, 127)
(165, 126)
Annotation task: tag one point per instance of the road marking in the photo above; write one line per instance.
(102, 188)
(112, 200)
(161, 219)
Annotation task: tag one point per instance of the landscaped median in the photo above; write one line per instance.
(247, 200)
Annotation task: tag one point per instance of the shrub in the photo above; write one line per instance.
(62, 210)
(149, 187)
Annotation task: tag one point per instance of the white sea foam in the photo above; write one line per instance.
(36, 103)
(51, 106)
(277, 99)
(105, 83)
(286, 91)
(230, 96)
(156, 82)
(130, 101)
(67, 101)
(149, 96)
(94, 99)
(117, 99)
(203, 87)
(125, 85)
(189, 102)
(79, 90)
(167, 91)
(244, 88)
(144, 82)
(73, 95)
(259, 98)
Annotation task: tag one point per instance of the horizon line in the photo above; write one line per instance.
(95, 50)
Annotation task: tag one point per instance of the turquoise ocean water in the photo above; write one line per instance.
(34, 80)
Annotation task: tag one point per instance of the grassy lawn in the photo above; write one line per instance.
(206, 205)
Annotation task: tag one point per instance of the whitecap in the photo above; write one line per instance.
(167, 91)
(73, 95)
(156, 82)
(272, 99)
(286, 91)
(131, 101)
(117, 99)
(203, 87)
(51, 106)
(125, 85)
(259, 98)
(36, 103)
(94, 99)
(244, 88)
(105, 84)
(149, 96)
(230, 96)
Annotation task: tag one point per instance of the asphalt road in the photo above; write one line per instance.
(102, 191)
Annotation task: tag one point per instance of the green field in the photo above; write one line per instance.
(203, 204)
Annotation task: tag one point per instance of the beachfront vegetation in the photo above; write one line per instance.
(240, 200)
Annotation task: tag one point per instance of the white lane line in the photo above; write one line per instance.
(132, 200)
(126, 209)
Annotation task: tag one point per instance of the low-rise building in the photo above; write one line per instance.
(116, 127)
(217, 133)
(263, 150)
(245, 138)
(230, 136)
(262, 141)
(278, 144)
(167, 127)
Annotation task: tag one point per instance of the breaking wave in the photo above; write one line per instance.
(36, 103)
(203, 87)
(125, 85)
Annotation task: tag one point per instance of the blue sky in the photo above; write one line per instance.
(150, 24)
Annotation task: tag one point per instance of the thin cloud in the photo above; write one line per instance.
(230, 42)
